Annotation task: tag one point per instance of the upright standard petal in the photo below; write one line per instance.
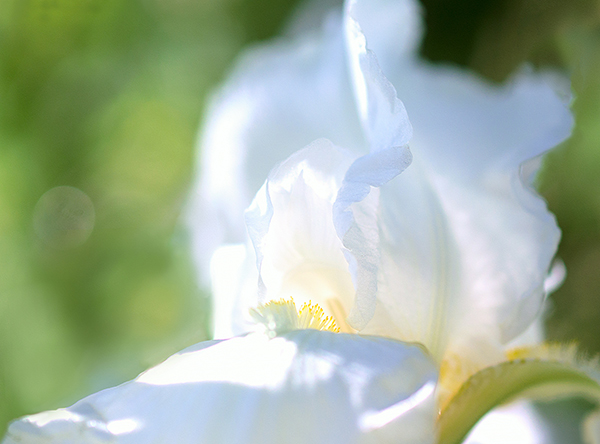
(280, 97)
(313, 226)
(383, 116)
(386, 132)
(306, 386)
(290, 223)
(356, 223)
(466, 243)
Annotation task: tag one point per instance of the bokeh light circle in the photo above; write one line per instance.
(64, 217)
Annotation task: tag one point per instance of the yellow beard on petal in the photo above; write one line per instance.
(312, 316)
(278, 317)
(549, 351)
(454, 370)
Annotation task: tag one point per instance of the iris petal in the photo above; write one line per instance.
(279, 99)
(466, 242)
(304, 386)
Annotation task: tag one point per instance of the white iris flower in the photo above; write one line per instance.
(449, 249)
(452, 253)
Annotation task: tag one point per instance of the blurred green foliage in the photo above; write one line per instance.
(572, 186)
(102, 98)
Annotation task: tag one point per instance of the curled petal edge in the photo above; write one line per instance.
(355, 217)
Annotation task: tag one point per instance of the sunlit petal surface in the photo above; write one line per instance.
(306, 386)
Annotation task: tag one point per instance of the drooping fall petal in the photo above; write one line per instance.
(304, 386)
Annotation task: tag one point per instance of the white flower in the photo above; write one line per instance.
(451, 251)
(460, 243)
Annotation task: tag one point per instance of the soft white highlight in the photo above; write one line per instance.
(300, 387)
(517, 423)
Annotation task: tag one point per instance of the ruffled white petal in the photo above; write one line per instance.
(382, 114)
(304, 387)
(466, 243)
(290, 223)
(479, 124)
(314, 229)
(280, 98)
(484, 128)
(355, 218)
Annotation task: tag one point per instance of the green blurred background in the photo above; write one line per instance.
(102, 98)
